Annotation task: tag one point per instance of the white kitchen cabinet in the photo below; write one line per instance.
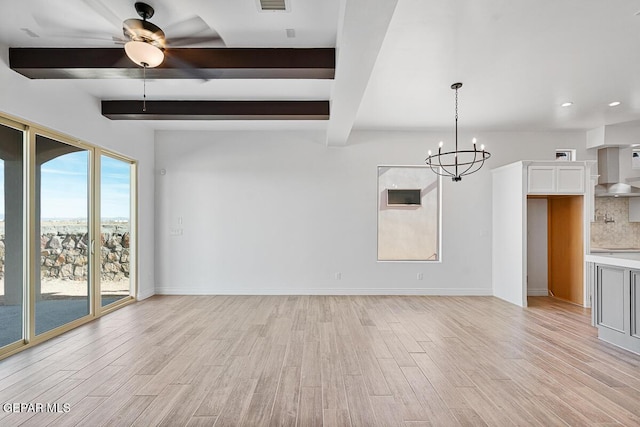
(555, 179)
(542, 179)
(617, 306)
(634, 332)
(612, 289)
(570, 179)
(591, 271)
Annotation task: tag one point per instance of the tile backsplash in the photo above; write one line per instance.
(618, 234)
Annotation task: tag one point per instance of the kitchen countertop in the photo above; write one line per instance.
(613, 250)
(618, 259)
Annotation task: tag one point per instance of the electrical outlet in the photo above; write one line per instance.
(420, 276)
(338, 276)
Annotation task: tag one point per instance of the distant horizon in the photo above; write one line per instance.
(64, 188)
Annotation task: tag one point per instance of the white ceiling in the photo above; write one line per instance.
(518, 60)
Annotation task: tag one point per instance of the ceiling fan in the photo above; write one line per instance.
(146, 40)
(145, 43)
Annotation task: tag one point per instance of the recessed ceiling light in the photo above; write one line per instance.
(567, 104)
(614, 104)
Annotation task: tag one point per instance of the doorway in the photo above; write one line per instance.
(555, 247)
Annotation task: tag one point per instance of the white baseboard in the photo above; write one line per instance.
(538, 292)
(164, 290)
(145, 295)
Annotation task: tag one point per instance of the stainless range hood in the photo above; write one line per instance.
(611, 183)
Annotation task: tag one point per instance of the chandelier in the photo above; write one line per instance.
(457, 163)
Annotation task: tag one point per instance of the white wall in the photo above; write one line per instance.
(59, 106)
(508, 236)
(275, 212)
(537, 244)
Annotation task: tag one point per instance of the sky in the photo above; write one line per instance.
(65, 186)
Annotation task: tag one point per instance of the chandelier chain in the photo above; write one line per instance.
(456, 105)
(456, 156)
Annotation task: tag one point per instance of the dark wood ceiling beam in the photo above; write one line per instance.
(179, 63)
(216, 110)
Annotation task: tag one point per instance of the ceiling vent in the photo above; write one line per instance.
(272, 5)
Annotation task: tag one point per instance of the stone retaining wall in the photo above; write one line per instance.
(65, 255)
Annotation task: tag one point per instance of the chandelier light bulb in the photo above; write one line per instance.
(482, 147)
(429, 152)
(440, 144)
(474, 141)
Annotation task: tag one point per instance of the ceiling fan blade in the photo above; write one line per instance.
(104, 11)
(55, 28)
(78, 36)
(52, 28)
(123, 62)
(186, 68)
(214, 40)
(83, 36)
(192, 31)
(193, 25)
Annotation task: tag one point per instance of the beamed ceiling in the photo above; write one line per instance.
(179, 63)
(204, 64)
(216, 110)
(378, 64)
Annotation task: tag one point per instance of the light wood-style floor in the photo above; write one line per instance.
(325, 360)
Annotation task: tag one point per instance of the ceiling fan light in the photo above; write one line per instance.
(144, 53)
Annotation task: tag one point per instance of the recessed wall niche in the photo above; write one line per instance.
(408, 214)
(404, 197)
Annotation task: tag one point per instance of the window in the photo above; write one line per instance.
(408, 214)
(54, 275)
(116, 246)
(62, 223)
(12, 234)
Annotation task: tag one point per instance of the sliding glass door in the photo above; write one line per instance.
(116, 242)
(62, 246)
(67, 233)
(11, 234)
